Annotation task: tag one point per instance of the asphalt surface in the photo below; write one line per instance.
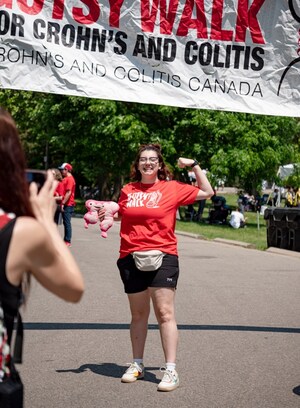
(238, 315)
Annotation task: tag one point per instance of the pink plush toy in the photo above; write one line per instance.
(91, 217)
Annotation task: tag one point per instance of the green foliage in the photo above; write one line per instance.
(253, 148)
(101, 138)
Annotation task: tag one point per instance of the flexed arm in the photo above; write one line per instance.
(205, 189)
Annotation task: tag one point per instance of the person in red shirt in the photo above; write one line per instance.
(148, 209)
(58, 195)
(68, 200)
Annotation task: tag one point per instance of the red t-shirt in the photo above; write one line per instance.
(149, 215)
(69, 184)
(59, 192)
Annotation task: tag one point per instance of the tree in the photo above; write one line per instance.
(101, 138)
(253, 148)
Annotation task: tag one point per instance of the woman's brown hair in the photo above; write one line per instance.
(57, 174)
(163, 172)
(14, 193)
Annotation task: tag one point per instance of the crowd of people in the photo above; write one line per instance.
(287, 197)
(219, 212)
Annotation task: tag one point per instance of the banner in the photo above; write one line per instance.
(231, 55)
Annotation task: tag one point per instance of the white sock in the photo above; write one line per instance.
(139, 361)
(170, 366)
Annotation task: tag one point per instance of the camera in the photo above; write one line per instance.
(37, 176)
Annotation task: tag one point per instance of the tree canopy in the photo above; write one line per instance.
(100, 138)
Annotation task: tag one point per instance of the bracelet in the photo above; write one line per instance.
(194, 164)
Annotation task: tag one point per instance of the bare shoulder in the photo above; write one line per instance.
(29, 229)
(27, 223)
(28, 243)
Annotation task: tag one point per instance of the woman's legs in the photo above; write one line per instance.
(140, 310)
(163, 303)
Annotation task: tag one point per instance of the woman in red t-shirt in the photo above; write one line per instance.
(148, 209)
(58, 195)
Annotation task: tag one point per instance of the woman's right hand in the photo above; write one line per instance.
(43, 202)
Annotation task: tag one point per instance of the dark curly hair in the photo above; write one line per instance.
(163, 172)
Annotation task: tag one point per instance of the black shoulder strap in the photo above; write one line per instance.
(18, 348)
(18, 326)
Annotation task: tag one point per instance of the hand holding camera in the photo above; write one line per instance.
(42, 196)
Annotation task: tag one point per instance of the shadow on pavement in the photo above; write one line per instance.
(124, 326)
(296, 390)
(110, 370)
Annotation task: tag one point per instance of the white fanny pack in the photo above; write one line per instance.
(148, 260)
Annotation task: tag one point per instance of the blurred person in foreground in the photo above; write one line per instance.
(148, 209)
(30, 244)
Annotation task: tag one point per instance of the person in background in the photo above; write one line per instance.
(193, 215)
(289, 197)
(237, 219)
(68, 200)
(30, 244)
(148, 209)
(190, 208)
(58, 195)
(200, 210)
(297, 197)
(219, 212)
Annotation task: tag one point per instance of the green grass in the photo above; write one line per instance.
(80, 207)
(252, 234)
(255, 233)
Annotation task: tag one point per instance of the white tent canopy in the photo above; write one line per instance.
(285, 171)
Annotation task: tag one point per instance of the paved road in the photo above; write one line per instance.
(238, 314)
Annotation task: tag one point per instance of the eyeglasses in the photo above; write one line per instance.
(151, 159)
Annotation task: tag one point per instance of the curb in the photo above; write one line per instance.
(232, 242)
(241, 244)
(220, 240)
(285, 252)
(191, 235)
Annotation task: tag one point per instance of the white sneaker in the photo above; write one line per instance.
(134, 372)
(169, 382)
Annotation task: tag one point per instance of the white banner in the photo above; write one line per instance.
(232, 55)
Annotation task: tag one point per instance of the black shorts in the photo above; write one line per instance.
(136, 281)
